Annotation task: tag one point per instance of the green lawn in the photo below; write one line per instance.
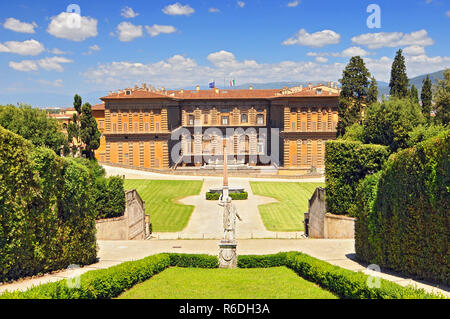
(166, 215)
(287, 215)
(254, 283)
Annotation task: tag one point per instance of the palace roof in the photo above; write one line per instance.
(218, 94)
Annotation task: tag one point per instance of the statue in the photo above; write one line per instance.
(227, 246)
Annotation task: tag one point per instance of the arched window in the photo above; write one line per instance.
(260, 119)
(244, 118)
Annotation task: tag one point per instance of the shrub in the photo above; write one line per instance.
(389, 122)
(349, 284)
(195, 261)
(46, 216)
(261, 261)
(346, 163)
(234, 196)
(405, 217)
(109, 197)
(98, 284)
(111, 282)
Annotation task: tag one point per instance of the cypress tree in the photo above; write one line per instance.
(414, 94)
(426, 96)
(443, 99)
(372, 93)
(399, 80)
(89, 133)
(354, 87)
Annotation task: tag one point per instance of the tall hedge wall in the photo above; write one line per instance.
(46, 217)
(346, 163)
(403, 220)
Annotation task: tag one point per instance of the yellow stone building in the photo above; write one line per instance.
(143, 128)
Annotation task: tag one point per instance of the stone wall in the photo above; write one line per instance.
(325, 225)
(133, 225)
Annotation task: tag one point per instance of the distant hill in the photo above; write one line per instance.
(383, 87)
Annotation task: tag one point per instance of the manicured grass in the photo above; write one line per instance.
(253, 283)
(287, 215)
(166, 215)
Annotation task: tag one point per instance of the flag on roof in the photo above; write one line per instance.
(232, 83)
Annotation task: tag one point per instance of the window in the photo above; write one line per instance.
(157, 126)
(244, 118)
(260, 119)
(100, 124)
(136, 127)
(293, 110)
(319, 91)
(114, 127)
(261, 147)
(205, 118)
(191, 120)
(224, 120)
(125, 127)
(147, 127)
(293, 126)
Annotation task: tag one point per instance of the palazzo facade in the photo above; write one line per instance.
(161, 129)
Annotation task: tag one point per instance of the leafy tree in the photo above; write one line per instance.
(354, 86)
(423, 132)
(390, 122)
(399, 80)
(89, 133)
(426, 96)
(372, 93)
(414, 94)
(354, 133)
(442, 98)
(33, 124)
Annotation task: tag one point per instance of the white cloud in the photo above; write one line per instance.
(414, 50)
(293, 4)
(180, 71)
(72, 26)
(18, 26)
(53, 63)
(128, 31)
(56, 83)
(27, 47)
(393, 39)
(354, 51)
(92, 49)
(321, 59)
(58, 51)
(128, 12)
(178, 9)
(316, 39)
(49, 64)
(241, 4)
(24, 66)
(213, 10)
(157, 29)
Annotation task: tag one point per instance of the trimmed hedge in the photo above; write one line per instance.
(111, 282)
(193, 260)
(344, 283)
(234, 196)
(46, 217)
(346, 163)
(402, 212)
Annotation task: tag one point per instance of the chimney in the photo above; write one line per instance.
(198, 87)
(251, 87)
(335, 85)
(301, 87)
(310, 86)
(217, 90)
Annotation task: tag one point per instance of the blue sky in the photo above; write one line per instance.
(44, 60)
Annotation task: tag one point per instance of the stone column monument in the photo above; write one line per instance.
(228, 244)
